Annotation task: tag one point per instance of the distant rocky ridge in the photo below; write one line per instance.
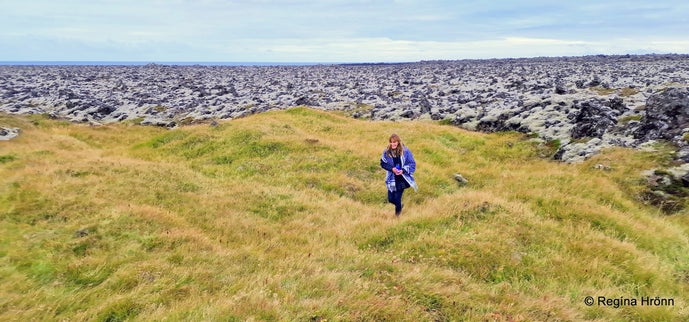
(584, 103)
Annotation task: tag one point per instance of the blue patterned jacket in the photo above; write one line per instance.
(408, 166)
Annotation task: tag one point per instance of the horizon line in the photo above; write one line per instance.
(294, 63)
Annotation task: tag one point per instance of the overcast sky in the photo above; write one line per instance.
(335, 30)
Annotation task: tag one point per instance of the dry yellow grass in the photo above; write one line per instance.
(282, 216)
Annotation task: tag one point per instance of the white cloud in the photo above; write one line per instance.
(672, 46)
(385, 49)
(336, 30)
(522, 41)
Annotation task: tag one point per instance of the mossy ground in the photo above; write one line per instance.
(282, 216)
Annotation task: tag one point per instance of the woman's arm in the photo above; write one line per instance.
(409, 162)
(384, 164)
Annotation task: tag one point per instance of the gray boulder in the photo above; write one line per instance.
(594, 117)
(7, 134)
(667, 115)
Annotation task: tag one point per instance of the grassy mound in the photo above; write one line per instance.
(282, 216)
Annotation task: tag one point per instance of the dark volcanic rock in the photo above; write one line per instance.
(666, 190)
(667, 115)
(593, 119)
(500, 124)
(559, 98)
(560, 87)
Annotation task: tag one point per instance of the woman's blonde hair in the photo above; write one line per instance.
(400, 147)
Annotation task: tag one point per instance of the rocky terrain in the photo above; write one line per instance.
(581, 103)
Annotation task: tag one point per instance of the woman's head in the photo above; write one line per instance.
(395, 145)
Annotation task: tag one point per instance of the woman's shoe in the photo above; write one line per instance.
(397, 213)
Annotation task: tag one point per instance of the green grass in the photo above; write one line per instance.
(629, 118)
(624, 92)
(282, 216)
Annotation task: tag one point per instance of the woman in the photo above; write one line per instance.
(400, 165)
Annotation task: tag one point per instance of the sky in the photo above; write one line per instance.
(336, 31)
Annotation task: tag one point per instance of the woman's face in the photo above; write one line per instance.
(393, 144)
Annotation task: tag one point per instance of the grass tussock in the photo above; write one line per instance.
(282, 216)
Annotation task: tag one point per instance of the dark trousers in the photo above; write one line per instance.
(395, 197)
